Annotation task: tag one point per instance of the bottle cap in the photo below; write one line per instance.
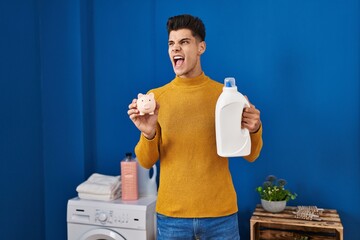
(128, 156)
(229, 82)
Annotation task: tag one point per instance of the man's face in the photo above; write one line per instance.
(185, 51)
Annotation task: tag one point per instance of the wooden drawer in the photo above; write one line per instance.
(284, 225)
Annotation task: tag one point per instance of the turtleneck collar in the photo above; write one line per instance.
(190, 82)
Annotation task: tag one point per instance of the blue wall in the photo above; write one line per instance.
(21, 165)
(70, 68)
(62, 104)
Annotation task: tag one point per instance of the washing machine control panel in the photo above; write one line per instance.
(123, 218)
(138, 215)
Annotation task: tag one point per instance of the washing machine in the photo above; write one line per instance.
(115, 220)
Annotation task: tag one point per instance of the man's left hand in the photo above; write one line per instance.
(251, 118)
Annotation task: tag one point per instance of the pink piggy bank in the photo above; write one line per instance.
(146, 103)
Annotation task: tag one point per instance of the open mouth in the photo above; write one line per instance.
(178, 60)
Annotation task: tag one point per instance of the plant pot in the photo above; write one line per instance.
(273, 206)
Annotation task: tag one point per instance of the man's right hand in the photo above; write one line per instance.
(145, 123)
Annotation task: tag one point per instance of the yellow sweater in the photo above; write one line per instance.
(194, 180)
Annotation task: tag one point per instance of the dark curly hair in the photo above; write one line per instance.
(187, 21)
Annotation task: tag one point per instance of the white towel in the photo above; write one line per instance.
(100, 184)
(100, 197)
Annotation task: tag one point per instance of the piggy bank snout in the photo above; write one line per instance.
(147, 105)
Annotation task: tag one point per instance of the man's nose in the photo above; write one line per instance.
(176, 47)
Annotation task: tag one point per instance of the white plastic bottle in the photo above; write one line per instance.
(129, 178)
(231, 139)
(147, 186)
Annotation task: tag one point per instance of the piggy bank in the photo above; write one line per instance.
(146, 103)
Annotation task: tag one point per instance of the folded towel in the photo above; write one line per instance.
(100, 197)
(100, 184)
(103, 179)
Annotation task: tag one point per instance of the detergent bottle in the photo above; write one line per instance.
(231, 139)
(147, 185)
(129, 178)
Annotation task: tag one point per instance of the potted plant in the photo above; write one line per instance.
(274, 195)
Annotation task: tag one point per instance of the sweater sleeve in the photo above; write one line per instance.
(147, 150)
(256, 145)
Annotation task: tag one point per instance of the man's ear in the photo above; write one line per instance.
(202, 47)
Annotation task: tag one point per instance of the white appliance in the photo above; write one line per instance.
(115, 220)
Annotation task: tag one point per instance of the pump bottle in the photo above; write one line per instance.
(231, 139)
(129, 178)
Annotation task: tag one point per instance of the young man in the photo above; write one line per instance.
(196, 197)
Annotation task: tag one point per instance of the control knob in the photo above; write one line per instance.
(102, 217)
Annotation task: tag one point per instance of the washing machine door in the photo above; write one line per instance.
(102, 234)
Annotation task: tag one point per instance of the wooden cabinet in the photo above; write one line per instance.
(284, 225)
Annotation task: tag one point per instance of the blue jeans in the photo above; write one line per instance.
(219, 228)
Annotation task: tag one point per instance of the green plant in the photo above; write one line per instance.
(273, 189)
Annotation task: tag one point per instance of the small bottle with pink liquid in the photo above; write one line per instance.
(129, 178)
